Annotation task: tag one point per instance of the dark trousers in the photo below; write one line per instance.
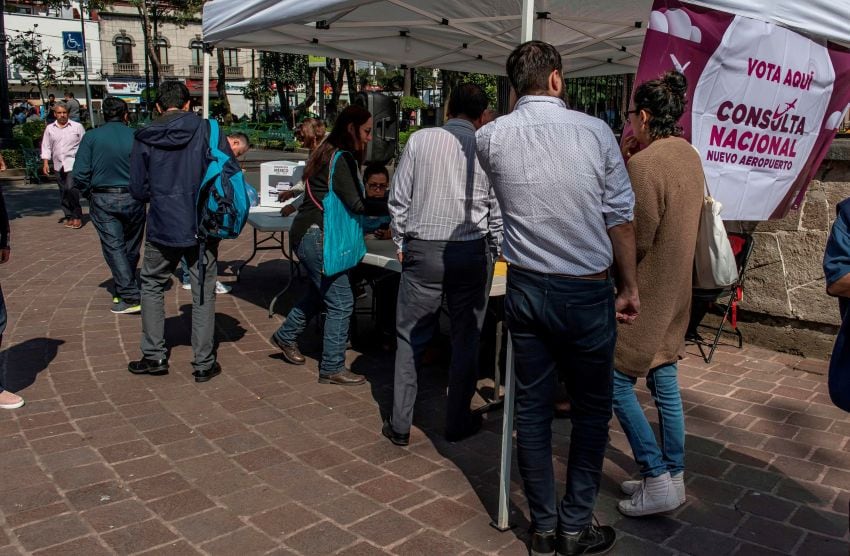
(3, 321)
(120, 222)
(69, 196)
(159, 264)
(460, 269)
(561, 328)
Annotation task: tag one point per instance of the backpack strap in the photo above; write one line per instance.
(213, 132)
(334, 160)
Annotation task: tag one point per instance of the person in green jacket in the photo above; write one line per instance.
(102, 172)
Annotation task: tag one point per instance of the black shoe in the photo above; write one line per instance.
(593, 539)
(148, 367)
(396, 438)
(471, 427)
(343, 378)
(203, 376)
(543, 543)
(291, 354)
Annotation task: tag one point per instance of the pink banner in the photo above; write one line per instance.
(764, 102)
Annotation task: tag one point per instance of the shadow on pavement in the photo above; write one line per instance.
(22, 362)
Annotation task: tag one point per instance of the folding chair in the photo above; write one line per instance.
(726, 300)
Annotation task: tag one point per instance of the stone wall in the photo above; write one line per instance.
(784, 283)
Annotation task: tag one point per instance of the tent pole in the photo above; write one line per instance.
(206, 82)
(527, 29)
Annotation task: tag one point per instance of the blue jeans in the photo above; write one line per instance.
(664, 387)
(561, 328)
(334, 291)
(120, 222)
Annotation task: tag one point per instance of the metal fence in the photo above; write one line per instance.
(606, 97)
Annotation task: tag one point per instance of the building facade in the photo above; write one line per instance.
(58, 31)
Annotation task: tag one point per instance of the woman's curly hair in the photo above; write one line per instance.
(665, 101)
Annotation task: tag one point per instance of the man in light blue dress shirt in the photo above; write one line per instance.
(567, 206)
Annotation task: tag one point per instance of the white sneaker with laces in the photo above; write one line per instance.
(630, 487)
(656, 495)
(221, 288)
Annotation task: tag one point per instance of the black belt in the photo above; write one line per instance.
(107, 189)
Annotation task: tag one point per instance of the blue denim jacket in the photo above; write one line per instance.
(836, 264)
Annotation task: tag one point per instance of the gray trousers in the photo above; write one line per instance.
(158, 265)
(461, 271)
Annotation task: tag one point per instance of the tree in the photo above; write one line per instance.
(37, 63)
(221, 87)
(288, 71)
(257, 91)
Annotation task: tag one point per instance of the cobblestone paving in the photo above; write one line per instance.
(263, 460)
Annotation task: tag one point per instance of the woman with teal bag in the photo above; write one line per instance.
(333, 166)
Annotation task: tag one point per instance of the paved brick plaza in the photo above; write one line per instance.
(263, 460)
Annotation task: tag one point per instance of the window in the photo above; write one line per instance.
(231, 57)
(197, 48)
(123, 49)
(161, 45)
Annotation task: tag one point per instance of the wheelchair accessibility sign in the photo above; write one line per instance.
(72, 41)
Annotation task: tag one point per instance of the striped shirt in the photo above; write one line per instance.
(60, 144)
(561, 183)
(439, 191)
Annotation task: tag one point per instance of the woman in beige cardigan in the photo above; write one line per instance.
(667, 179)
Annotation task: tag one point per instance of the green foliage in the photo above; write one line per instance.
(13, 157)
(29, 134)
(288, 69)
(412, 103)
(38, 63)
(257, 91)
(485, 81)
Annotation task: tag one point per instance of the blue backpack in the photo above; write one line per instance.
(224, 199)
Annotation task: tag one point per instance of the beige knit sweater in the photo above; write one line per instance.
(667, 179)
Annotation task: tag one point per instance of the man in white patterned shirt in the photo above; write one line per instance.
(447, 227)
(567, 204)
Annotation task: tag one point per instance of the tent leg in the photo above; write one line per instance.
(206, 82)
(502, 522)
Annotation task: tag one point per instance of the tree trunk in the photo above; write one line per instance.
(352, 80)
(449, 79)
(332, 107)
(409, 88)
(153, 57)
(221, 88)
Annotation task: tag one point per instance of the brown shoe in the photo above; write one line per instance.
(291, 354)
(342, 378)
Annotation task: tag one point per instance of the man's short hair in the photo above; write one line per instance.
(241, 137)
(172, 94)
(51, 95)
(529, 66)
(61, 104)
(468, 99)
(114, 109)
(69, 94)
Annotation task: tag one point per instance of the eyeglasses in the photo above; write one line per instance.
(627, 112)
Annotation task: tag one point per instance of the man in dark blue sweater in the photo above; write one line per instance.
(167, 164)
(102, 172)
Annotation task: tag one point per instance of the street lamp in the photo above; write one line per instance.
(85, 61)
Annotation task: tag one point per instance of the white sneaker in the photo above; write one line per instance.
(630, 487)
(10, 400)
(655, 495)
(221, 288)
(186, 286)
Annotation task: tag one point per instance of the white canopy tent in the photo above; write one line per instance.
(595, 38)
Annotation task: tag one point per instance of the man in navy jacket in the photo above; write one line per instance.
(167, 164)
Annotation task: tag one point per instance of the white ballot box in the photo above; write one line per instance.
(277, 176)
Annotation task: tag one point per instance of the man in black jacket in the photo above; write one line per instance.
(167, 164)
